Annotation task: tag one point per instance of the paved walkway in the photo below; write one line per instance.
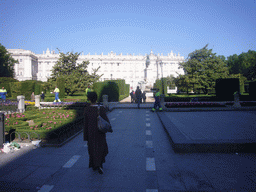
(141, 158)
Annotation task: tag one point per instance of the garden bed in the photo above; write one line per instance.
(64, 104)
(49, 125)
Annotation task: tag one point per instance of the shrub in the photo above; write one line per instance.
(111, 89)
(61, 86)
(225, 88)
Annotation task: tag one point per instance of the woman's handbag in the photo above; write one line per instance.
(103, 125)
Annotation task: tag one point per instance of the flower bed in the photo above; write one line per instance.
(9, 105)
(193, 104)
(65, 104)
(41, 122)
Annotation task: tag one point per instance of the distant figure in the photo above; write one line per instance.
(157, 101)
(33, 97)
(96, 140)
(138, 96)
(42, 96)
(144, 96)
(3, 94)
(56, 92)
(132, 96)
(87, 90)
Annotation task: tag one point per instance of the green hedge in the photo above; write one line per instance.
(112, 90)
(61, 86)
(158, 84)
(225, 88)
(105, 87)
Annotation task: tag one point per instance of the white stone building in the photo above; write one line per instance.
(130, 67)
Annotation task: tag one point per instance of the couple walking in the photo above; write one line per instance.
(139, 96)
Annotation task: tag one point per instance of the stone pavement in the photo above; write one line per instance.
(141, 158)
(211, 131)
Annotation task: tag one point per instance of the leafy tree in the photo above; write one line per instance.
(76, 76)
(182, 82)
(170, 81)
(232, 63)
(6, 63)
(244, 64)
(202, 68)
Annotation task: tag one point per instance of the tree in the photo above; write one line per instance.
(202, 68)
(6, 63)
(244, 64)
(182, 82)
(76, 76)
(232, 63)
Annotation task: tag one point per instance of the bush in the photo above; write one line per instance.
(27, 87)
(111, 89)
(225, 88)
(61, 86)
(252, 90)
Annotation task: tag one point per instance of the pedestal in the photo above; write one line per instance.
(21, 103)
(105, 100)
(236, 100)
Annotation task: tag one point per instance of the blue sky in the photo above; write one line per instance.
(134, 26)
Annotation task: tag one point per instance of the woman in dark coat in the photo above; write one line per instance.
(97, 144)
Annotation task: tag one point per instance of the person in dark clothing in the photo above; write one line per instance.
(138, 96)
(42, 96)
(144, 96)
(96, 140)
(132, 96)
(157, 101)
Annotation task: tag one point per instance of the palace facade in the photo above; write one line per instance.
(135, 69)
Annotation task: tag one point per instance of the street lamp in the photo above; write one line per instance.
(161, 64)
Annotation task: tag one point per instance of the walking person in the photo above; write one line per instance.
(132, 96)
(88, 90)
(33, 97)
(56, 92)
(42, 96)
(138, 96)
(96, 140)
(3, 94)
(144, 96)
(157, 101)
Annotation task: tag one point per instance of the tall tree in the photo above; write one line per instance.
(244, 64)
(202, 68)
(233, 65)
(6, 63)
(76, 76)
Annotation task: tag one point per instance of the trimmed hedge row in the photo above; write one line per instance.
(115, 89)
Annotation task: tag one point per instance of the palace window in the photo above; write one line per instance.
(20, 60)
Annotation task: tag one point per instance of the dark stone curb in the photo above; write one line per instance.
(61, 144)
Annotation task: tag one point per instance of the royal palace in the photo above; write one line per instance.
(135, 69)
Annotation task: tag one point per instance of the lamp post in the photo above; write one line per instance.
(158, 61)
(161, 64)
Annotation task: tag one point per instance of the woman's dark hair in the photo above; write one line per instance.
(92, 96)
